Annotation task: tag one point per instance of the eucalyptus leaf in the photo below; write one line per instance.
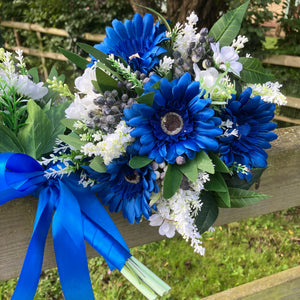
(172, 181)
(146, 99)
(137, 162)
(208, 213)
(253, 71)
(228, 26)
(34, 135)
(241, 197)
(79, 61)
(190, 169)
(72, 140)
(97, 164)
(10, 142)
(204, 162)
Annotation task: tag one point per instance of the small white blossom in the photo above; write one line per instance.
(239, 43)
(269, 92)
(207, 77)
(112, 145)
(226, 55)
(165, 65)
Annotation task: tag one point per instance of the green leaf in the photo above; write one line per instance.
(105, 82)
(219, 164)
(172, 181)
(9, 143)
(160, 17)
(138, 162)
(146, 99)
(139, 90)
(79, 61)
(72, 140)
(208, 213)
(55, 115)
(228, 26)
(241, 198)
(216, 183)
(190, 169)
(253, 71)
(35, 75)
(204, 162)
(236, 182)
(98, 165)
(69, 123)
(97, 54)
(34, 135)
(223, 199)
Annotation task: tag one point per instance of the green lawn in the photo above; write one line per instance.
(235, 254)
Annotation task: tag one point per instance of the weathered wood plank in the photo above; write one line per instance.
(49, 30)
(283, 285)
(281, 181)
(283, 60)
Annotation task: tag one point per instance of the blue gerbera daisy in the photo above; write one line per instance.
(122, 187)
(136, 41)
(178, 124)
(250, 119)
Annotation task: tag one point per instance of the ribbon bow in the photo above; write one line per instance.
(78, 216)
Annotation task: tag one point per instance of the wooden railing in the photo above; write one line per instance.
(281, 181)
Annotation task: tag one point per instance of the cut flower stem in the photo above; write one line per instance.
(143, 279)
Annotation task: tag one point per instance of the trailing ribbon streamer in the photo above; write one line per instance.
(78, 216)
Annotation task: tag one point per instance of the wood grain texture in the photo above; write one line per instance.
(281, 180)
(283, 285)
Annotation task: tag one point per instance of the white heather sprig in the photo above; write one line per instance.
(269, 92)
(112, 145)
(239, 43)
(165, 65)
(60, 170)
(187, 35)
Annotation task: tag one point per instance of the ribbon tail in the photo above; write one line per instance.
(113, 252)
(32, 266)
(69, 247)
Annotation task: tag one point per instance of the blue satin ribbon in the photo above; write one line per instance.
(78, 216)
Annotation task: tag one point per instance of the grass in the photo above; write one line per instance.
(235, 254)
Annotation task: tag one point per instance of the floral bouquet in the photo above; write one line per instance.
(168, 124)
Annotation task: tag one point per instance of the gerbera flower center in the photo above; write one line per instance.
(171, 123)
(133, 178)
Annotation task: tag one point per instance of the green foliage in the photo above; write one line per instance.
(241, 198)
(204, 162)
(290, 23)
(146, 99)
(253, 71)
(97, 164)
(208, 213)
(228, 26)
(32, 134)
(75, 16)
(72, 139)
(137, 162)
(172, 181)
(258, 13)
